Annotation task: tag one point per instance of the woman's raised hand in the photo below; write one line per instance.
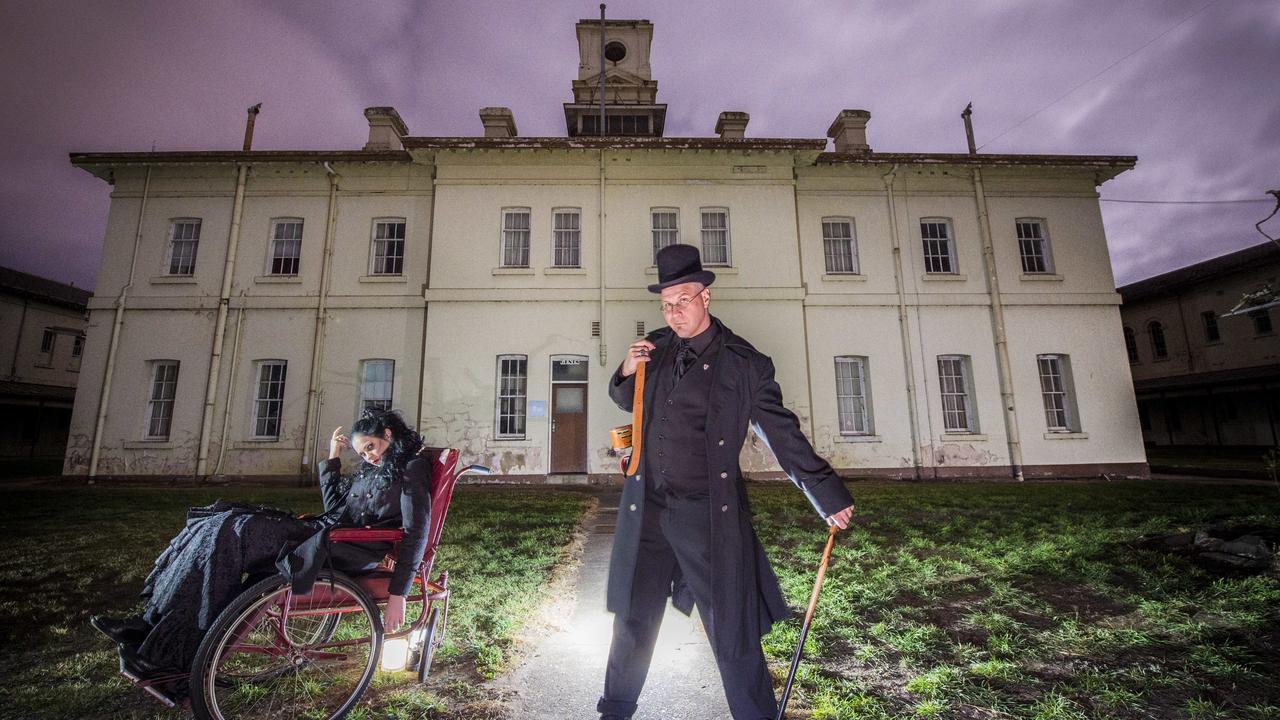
(337, 442)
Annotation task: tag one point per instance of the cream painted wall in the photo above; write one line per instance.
(776, 294)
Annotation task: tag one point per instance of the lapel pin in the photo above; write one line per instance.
(706, 366)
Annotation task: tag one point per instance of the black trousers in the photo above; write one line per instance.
(677, 532)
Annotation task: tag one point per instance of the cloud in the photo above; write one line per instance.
(1196, 106)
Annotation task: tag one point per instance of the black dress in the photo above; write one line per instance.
(225, 544)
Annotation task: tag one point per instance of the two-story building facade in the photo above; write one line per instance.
(42, 334)
(1205, 361)
(930, 315)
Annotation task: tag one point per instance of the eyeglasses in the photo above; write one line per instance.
(680, 304)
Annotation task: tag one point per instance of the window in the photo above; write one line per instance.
(286, 246)
(851, 396)
(1158, 348)
(184, 237)
(515, 237)
(1058, 392)
(388, 247)
(1033, 245)
(269, 400)
(1210, 326)
(164, 387)
(377, 379)
(47, 341)
(839, 245)
(566, 227)
(665, 226)
(512, 382)
(616, 124)
(715, 236)
(939, 249)
(957, 400)
(1261, 322)
(77, 346)
(1131, 345)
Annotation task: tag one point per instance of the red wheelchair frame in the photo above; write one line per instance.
(271, 604)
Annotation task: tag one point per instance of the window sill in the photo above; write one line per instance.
(717, 269)
(255, 444)
(1160, 359)
(511, 442)
(857, 438)
(382, 279)
(943, 277)
(46, 365)
(563, 271)
(843, 277)
(964, 437)
(280, 279)
(1066, 436)
(512, 271)
(1264, 335)
(173, 280)
(156, 444)
(1054, 277)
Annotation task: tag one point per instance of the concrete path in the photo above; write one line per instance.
(561, 673)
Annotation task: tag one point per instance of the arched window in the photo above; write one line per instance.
(1158, 348)
(1131, 345)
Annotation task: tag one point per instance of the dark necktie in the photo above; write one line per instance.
(683, 356)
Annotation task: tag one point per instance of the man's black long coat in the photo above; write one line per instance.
(745, 591)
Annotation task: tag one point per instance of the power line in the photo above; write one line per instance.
(1095, 76)
(1182, 202)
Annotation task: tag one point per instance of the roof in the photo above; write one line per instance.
(14, 390)
(1200, 272)
(34, 287)
(1217, 379)
(100, 164)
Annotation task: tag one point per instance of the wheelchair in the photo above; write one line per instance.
(272, 653)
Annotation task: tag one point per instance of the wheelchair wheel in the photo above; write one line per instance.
(429, 642)
(272, 654)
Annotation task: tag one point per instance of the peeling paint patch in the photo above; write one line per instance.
(957, 454)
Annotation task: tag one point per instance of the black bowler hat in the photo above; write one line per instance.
(680, 264)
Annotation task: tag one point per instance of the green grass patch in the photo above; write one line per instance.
(72, 552)
(976, 600)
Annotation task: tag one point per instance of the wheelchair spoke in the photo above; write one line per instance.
(312, 658)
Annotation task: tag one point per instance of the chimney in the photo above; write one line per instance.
(849, 131)
(498, 122)
(385, 129)
(732, 125)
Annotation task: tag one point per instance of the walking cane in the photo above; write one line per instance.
(808, 620)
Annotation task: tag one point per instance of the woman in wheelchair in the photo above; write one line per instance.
(227, 546)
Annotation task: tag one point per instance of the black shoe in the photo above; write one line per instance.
(613, 716)
(138, 667)
(126, 631)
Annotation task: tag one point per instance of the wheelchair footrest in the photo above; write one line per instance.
(150, 685)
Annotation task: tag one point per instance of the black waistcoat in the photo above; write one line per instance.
(675, 439)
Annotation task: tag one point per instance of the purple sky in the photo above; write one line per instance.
(1199, 106)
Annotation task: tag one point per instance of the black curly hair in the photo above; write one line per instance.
(405, 441)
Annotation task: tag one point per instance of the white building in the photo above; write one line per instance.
(930, 315)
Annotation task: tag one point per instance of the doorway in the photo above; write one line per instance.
(569, 413)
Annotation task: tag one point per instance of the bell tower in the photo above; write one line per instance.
(630, 92)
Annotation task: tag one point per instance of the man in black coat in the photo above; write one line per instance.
(684, 524)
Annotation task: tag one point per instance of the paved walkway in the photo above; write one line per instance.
(562, 672)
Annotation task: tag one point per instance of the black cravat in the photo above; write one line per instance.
(683, 356)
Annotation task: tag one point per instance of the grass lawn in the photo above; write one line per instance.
(71, 552)
(1026, 601)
